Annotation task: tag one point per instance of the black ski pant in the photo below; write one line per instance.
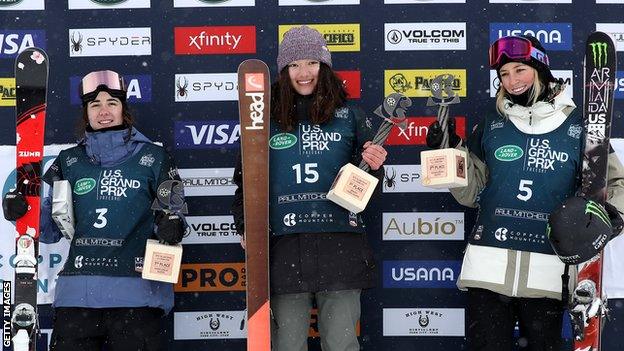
(492, 318)
(120, 329)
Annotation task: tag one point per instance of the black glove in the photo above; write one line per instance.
(434, 135)
(170, 228)
(14, 205)
(617, 223)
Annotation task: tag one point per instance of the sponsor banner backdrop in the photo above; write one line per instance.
(554, 36)
(211, 230)
(425, 36)
(206, 87)
(212, 3)
(14, 41)
(211, 277)
(209, 325)
(421, 274)
(7, 91)
(90, 42)
(406, 179)
(22, 5)
(108, 4)
(423, 226)
(207, 181)
(417, 82)
(615, 30)
(339, 37)
(424, 322)
(214, 40)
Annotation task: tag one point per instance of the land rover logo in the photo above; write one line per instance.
(9, 2)
(508, 153)
(213, 1)
(84, 185)
(108, 2)
(282, 141)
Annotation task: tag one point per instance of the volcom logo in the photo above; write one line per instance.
(501, 234)
(599, 53)
(289, 219)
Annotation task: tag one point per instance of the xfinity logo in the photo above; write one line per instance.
(13, 42)
(110, 42)
(554, 36)
(415, 131)
(425, 36)
(206, 87)
(207, 134)
(215, 40)
(139, 88)
(420, 274)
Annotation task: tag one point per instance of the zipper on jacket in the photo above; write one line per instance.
(514, 291)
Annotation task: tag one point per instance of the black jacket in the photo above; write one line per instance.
(311, 262)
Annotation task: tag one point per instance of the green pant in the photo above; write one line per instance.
(338, 313)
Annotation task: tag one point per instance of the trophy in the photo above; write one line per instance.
(444, 167)
(162, 261)
(353, 186)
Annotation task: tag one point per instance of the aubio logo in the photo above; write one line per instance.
(84, 185)
(282, 141)
(508, 153)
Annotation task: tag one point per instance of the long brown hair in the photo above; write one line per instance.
(83, 122)
(329, 95)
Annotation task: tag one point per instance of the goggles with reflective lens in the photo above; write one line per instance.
(94, 80)
(516, 49)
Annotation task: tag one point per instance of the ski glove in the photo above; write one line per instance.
(14, 205)
(617, 223)
(170, 228)
(434, 135)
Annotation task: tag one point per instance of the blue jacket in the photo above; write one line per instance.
(105, 149)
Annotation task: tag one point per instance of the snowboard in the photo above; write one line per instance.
(254, 96)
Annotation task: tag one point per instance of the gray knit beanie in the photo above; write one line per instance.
(302, 43)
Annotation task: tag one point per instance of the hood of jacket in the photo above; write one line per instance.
(543, 116)
(112, 147)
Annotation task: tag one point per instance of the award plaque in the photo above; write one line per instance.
(445, 167)
(353, 186)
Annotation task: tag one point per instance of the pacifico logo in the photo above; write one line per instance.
(212, 40)
(417, 82)
(339, 37)
(7, 91)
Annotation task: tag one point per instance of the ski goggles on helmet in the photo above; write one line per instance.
(516, 49)
(93, 82)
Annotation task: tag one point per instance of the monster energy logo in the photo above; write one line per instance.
(597, 210)
(599, 53)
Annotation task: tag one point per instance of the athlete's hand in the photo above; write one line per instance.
(170, 228)
(374, 155)
(14, 205)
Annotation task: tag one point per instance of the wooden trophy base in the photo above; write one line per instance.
(444, 168)
(162, 262)
(352, 188)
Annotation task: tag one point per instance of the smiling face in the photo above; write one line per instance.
(516, 77)
(304, 75)
(105, 111)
